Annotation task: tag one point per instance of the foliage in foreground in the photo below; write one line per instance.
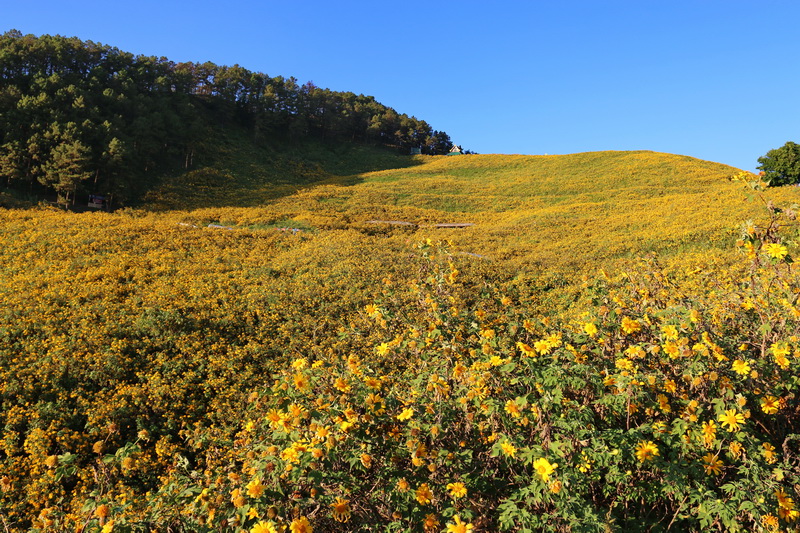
(663, 407)
(668, 401)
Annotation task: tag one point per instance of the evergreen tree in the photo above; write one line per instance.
(66, 169)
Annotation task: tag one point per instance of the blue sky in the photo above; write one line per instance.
(712, 79)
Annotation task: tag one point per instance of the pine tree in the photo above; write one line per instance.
(66, 169)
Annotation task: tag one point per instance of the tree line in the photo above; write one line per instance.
(82, 117)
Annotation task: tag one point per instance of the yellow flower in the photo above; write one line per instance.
(424, 494)
(51, 461)
(770, 404)
(672, 349)
(541, 346)
(431, 523)
(779, 348)
(770, 521)
(712, 464)
(670, 332)
(372, 383)
(255, 489)
(406, 414)
(237, 499)
(264, 527)
(301, 382)
(741, 367)
(382, 348)
(108, 528)
(623, 363)
(300, 363)
(636, 352)
(402, 485)
(457, 526)
(789, 514)
(526, 350)
(457, 490)
(341, 385)
(709, 433)
(513, 409)
(663, 403)
(508, 449)
(301, 525)
(732, 419)
(103, 511)
(646, 451)
(769, 452)
(203, 496)
(586, 464)
(735, 448)
(786, 508)
(776, 250)
(128, 463)
(554, 340)
(543, 468)
(290, 455)
(275, 418)
(590, 329)
(630, 326)
(341, 510)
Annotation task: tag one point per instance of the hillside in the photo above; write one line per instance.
(599, 206)
(262, 346)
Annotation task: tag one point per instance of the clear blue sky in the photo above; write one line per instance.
(713, 79)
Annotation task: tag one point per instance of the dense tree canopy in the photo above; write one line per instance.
(781, 166)
(77, 116)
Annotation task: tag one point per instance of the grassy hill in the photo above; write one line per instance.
(597, 206)
(304, 359)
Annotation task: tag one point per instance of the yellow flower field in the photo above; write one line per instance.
(613, 345)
